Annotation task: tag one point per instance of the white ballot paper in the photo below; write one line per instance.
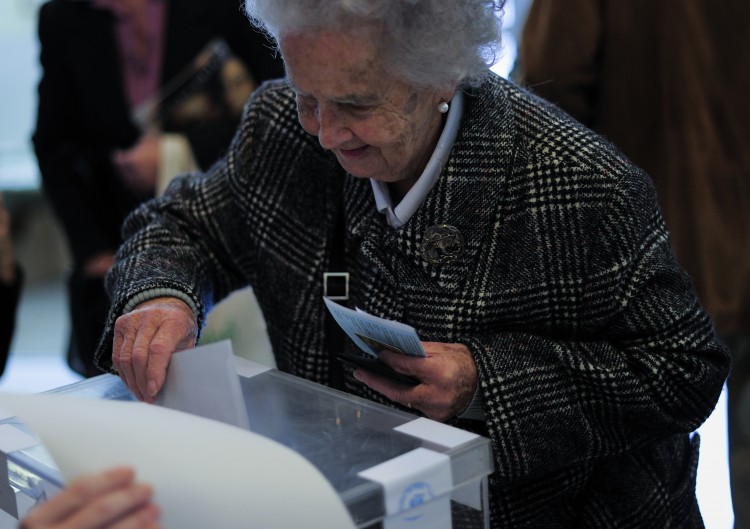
(204, 381)
(204, 473)
(373, 334)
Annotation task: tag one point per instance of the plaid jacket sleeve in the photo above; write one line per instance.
(641, 361)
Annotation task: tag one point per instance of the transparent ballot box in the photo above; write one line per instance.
(356, 444)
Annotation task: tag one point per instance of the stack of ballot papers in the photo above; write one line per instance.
(373, 334)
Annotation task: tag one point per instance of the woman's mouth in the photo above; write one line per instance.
(352, 153)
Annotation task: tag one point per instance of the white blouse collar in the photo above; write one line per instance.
(401, 214)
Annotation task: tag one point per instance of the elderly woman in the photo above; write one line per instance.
(527, 252)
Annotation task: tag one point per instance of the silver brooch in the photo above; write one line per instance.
(442, 244)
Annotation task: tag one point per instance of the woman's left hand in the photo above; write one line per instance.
(448, 376)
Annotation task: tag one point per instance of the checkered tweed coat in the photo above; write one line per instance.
(595, 359)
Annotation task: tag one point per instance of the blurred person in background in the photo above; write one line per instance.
(11, 279)
(132, 92)
(668, 82)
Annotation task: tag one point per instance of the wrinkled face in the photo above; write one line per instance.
(377, 126)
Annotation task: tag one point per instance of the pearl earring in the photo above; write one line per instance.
(443, 107)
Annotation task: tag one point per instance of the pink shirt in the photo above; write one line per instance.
(140, 30)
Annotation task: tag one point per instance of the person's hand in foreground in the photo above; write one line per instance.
(145, 340)
(108, 500)
(448, 376)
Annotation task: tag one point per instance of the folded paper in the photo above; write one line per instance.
(205, 473)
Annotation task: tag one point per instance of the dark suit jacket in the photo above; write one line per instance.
(595, 360)
(83, 114)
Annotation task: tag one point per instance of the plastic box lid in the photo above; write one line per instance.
(343, 436)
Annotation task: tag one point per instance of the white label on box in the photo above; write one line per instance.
(436, 432)
(417, 488)
(12, 439)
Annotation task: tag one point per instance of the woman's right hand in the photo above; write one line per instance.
(145, 340)
(108, 500)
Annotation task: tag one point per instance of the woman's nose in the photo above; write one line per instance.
(332, 129)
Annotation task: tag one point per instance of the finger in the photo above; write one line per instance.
(117, 342)
(175, 333)
(112, 507)
(399, 393)
(408, 365)
(77, 494)
(140, 357)
(169, 338)
(122, 356)
(146, 517)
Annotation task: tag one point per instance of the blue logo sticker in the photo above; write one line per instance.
(413, 496)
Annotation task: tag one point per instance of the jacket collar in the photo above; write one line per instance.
(467, 195)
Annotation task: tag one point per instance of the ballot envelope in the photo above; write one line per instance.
(390, 469)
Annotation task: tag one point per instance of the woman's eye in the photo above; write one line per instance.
(358, 109)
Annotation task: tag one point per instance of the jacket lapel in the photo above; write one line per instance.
(468, 194)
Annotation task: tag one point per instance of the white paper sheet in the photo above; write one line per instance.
(204, 381)
(204, 473)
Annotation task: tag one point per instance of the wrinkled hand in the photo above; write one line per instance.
(448, 375)
(139, 165)
(109, 500)
(145, 340)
